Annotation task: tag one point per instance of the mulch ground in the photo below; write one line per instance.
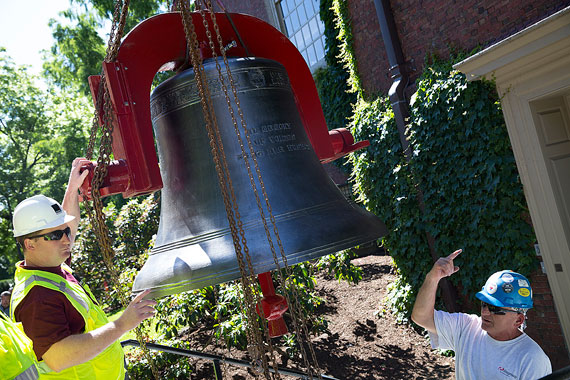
(362, 343)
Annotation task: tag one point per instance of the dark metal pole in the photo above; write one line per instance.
(560, 374)
(217, 359)
(217, 370)
(399, 102)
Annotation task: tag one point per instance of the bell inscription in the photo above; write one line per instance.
(194, 246)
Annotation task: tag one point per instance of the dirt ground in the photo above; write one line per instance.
(361, 344)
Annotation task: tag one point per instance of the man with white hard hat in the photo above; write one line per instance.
(71, 335)
(494, 345)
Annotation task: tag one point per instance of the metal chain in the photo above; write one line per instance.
(252, 328)
(248, 257)
(95, 213)
(295, 307)
(208, 6)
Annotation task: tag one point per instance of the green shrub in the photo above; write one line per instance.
(132, 229)
(462, 161)
(170, 366)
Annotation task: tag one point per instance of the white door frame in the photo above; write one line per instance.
(527, 66)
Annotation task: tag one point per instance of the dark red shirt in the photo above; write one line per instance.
(47, 315)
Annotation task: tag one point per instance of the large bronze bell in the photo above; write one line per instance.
(194, 246)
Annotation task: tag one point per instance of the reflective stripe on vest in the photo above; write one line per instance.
(17, 358)
(108, 365)
(29, 374)
(61, 286)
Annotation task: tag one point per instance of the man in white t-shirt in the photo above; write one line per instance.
(494, 345)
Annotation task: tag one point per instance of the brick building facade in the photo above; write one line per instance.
(436, 27)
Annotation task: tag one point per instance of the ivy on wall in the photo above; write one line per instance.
(332, 80)
(464, 164)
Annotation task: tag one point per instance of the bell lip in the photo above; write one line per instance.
(234, 273)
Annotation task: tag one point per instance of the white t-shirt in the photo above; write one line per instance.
(480, 357)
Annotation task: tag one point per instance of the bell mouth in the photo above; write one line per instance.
(198, 261)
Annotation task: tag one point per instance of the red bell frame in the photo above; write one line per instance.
(160, 42)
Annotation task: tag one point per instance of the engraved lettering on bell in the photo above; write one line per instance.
(257, 78)
(259, 141)
(244, 80)
(275, 127)
(278, 79)
(275, 150)
(295, 147)
(282, 138)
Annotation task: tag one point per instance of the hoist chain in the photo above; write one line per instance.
(208, 6)
(95, 213)
(226, 187)
(211, 42)
(296, 311)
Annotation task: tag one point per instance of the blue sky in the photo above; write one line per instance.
(24, 30)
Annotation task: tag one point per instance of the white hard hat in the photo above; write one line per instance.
(38, 213)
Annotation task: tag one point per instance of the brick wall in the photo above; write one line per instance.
(256, 8)
(434, 26)
(543, 323)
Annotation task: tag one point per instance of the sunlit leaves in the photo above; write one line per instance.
(39, 135)
(77, 53)
(81, 39)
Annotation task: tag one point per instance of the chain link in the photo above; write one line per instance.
(95, 212)
(255, 348)
(296, 311)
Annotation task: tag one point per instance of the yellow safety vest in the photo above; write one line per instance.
(109, 364)
(17, 358)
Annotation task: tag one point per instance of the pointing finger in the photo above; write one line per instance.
(454, 254)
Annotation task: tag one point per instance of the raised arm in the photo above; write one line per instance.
(79, 348)
(71, 198)
(423, 310)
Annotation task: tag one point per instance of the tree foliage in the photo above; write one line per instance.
(76, 54)
(80, 40)
(138, 10)
(40, 133)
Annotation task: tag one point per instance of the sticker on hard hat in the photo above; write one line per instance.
(507, 288)
(523, 284)
(524, 292)
(491, 288)
(507, 277)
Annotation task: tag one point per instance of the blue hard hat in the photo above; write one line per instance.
(507, 289)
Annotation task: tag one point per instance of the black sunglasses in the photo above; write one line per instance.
(54, 235)
(496, 309)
